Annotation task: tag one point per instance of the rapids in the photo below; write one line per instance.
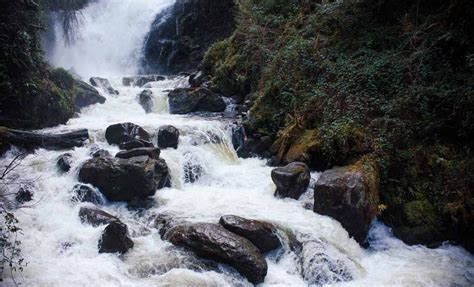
(61, 251)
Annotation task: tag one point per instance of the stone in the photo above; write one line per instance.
(103, 84)
(141, 80)
(85, 95)
(24, 195)
(184, 101)
(95, 216)
(291, 180)
(115, 239)
(64, 162)
(151, 152)
(146, 100)
(168, 137)
(133, 144)
(125, 132)
(84, 193)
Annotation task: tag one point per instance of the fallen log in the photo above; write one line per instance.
(32, 140)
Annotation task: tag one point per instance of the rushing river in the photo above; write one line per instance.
(61, 251)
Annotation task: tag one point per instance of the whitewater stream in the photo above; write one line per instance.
(62, 251)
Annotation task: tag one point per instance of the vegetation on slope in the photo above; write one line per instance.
(334, 81)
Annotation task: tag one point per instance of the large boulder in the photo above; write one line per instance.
(168, 137)
(145, 98)
(261, 234)
(103, 84)
(151, 152)
(95, 216)
(291, 180)
(85, 95)
(115, 239)
(125, 132)
(349, 195)
(126, 179)
(181, 35)
(214, 242)
(184, 101)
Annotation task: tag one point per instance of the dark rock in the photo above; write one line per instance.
(291, 180)
(85, 95)
(143, 151)
(254, 147)
(181, 35)
(64, 162)
(104, 84)
(261, 234)
(135, 144)
(141, 80)
(140, 204)
(343, 194)
(32, 140)
(101, 153)
(95, 216)
(214, 242)
(164, 222)
(184, 101)
(84, 193)
(115, 239)
(197, 79)
(192, 169)
(24, 195)
(126, 179)
(168, 137)
(125, 132)
(146, 100)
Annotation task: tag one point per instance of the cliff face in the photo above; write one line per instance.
(180, 36)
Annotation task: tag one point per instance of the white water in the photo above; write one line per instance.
(62, 251)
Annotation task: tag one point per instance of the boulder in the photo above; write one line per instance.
(184, 101)
(125, 132)
(197, 79)
(103, 84)
(64, 162)
(85, 95)
(138, 143)
(125, 179)
(214, 242)
(101, 153)
(345, 194)
(255, 146)
(168, 137)
(84, 193)
(141, 80)
(261, 234)
(146, 100)
(291, 180)
(24, 195)
(95, 216)
(115, 239)
(151, 152)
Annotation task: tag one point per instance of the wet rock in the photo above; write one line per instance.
(141, 80)
(168, 137)
(101, 153)
(115, 239)
(192, 169)
(151, 152)
(64, 162)
(164, 222)
(291, 180)
(184, 101)
(214, 242)
(125, 132)
(133, 144)
(125, 179)
(104, 84)
(146, 100)
(84, 193)
(344, 194)
(255, 146)
(261, 234)
(197, 79)
(23, 195)
(95, 216)
(85, 95)
(141, 204)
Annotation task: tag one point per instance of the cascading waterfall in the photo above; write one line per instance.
(62, 251)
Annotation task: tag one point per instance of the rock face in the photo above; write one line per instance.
(291, 180)
(151, 152)
(85, 95)
(115, 239)
(103, 84)
(84, 193)
(214, 242)
(261, 234)
(64, 162)
(181, 35)
(344, 194)
(168, 137)
(146, 100)
(95, 216)
(125, 132)
(184, 101)
(126, 179)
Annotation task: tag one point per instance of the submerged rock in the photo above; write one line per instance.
(115, 239)
(95, 216)
(151, 152)
(126, 179)
(104, 84)
(214, 242)
(261, 234)
(125, 132)
(64, 162)
(168, 137)
(344, 194)
(291, 180)
(146, 100)
(184, 101)
(84, 193)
